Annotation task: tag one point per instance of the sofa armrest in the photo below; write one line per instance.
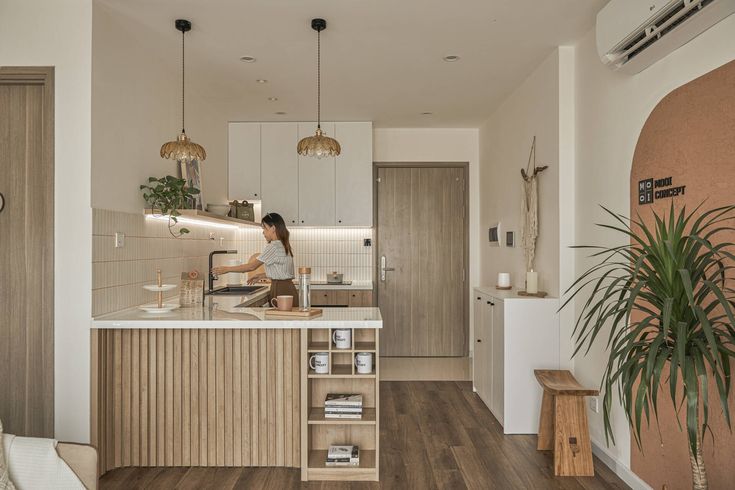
(82, 459)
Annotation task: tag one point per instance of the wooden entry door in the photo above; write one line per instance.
(27, 245)
(422, 259)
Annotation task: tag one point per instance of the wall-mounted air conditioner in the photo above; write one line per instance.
(634, 34)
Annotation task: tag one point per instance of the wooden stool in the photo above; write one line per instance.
(563, 423)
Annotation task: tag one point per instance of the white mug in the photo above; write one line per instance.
(319, 362)
(364, 362)
(341, 338)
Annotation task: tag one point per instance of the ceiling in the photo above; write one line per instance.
(381, 59)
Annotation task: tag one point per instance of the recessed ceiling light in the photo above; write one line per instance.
(247, 59)
(261, 80)
(273, 99)
(280, 113)
(451, 58)
(427, 113)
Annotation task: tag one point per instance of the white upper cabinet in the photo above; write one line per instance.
(280, 170)
(243, 161)
(263, 166)
(354, 174)
(316, 183)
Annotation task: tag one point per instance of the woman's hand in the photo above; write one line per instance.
(257, 278)
(222, 269)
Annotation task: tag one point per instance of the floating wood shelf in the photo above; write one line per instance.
(319, 347)
(364, 346)
(316, 416)
(319, 471)
(204, 217)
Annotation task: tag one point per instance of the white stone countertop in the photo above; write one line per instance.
(507, 293)
(224, 312)
(356, 285)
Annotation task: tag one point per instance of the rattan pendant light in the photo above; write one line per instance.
(320, 145)
(182, 148)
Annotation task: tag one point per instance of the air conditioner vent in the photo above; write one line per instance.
(633, 34)
(681, 12)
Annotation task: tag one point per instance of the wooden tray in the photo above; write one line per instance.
(294, 313)
(540, 294)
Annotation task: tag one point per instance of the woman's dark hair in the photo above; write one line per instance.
(282, 233)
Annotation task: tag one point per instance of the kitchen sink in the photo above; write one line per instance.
(237, 290)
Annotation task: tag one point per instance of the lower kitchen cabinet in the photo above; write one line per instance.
(513, 336)
(342, 297)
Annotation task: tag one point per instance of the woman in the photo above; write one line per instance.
(277, 257)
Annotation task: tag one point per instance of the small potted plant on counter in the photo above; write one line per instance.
(166, 196)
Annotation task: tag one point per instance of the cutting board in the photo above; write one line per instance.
(294, 313)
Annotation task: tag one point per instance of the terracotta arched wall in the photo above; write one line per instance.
(690, 137)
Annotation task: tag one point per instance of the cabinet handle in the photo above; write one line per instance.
(302, 221)
(479, 340)
(478, 299)
(256, 194)
(491, 303)
(340, 221)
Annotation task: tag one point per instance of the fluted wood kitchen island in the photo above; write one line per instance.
(224, 386)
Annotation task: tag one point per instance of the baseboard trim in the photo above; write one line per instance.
(625, 473)
(425, 369)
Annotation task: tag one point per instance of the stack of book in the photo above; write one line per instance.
(343, 456)
(343, 406)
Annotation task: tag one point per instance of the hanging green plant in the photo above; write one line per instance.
(166, 196)
(664, 304)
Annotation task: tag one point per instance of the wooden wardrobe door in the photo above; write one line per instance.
(27, 259)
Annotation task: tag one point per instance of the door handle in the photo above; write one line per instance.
(383, 268)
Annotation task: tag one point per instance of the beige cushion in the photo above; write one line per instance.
(82, 459)
(5, 483)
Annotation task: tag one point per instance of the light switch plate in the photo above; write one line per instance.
(119, 240)
(595, 404)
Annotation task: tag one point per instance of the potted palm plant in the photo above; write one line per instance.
(666, 299)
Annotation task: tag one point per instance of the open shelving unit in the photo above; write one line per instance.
(203, 217)
(318, 432)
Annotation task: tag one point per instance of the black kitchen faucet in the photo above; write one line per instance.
(211, 255)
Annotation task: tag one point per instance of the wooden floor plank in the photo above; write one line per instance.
(432, 435)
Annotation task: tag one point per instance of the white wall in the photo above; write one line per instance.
(611, 111)
(505, 142)
(59, 33)
(541, 106)
(136, 107)
(439, 145)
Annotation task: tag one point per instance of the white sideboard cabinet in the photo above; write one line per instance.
(513, 336)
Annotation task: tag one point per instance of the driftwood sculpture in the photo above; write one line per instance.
(529, 207)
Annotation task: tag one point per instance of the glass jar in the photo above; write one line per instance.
(304, 288)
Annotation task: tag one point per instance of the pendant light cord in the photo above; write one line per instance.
(182, 82)
(318, 79)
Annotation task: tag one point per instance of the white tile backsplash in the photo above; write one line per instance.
(323, 249)
(118, 274)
